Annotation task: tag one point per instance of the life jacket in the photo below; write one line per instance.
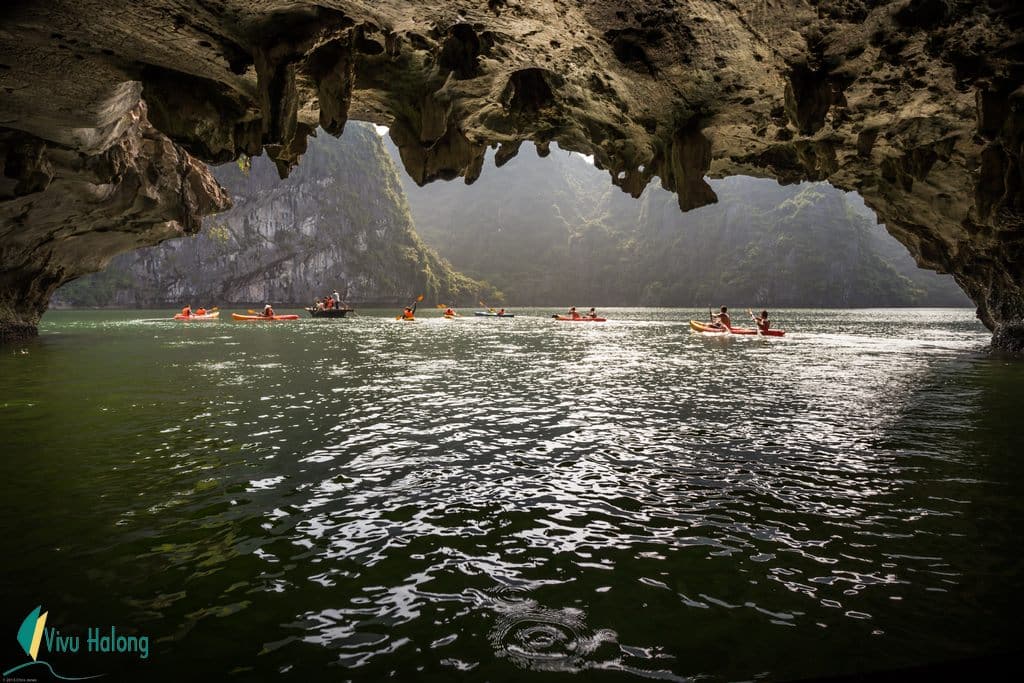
(200, 311)
(187, 310)
(449, 311)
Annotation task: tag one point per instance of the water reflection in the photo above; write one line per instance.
(468, 499)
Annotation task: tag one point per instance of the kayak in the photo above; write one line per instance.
(581, 319)
(708, 329)
(239, 316)
(487, 314)
(190, 318)
(451, 316)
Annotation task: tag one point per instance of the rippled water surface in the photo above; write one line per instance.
(487, 499)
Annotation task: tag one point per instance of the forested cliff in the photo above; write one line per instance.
(339, 221)
(542, 231)
(554, 231)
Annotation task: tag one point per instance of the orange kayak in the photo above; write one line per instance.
(239, 316)
(697, 326)
(190, 318)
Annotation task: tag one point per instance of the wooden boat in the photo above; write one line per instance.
(328, 312)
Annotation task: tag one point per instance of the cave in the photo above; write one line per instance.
(108, 112)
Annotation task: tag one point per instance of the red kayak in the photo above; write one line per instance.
(710, 329)
(568, 319)
(239, 316)
(205, 316)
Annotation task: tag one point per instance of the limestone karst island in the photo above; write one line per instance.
(511, 340)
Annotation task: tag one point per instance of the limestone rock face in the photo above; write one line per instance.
(339, 222)
(916, 104)
(65, 212)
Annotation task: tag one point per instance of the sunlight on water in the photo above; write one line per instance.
(480, 498)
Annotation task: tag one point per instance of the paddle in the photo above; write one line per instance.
(757, 325)
(486, 306)
(414, 304)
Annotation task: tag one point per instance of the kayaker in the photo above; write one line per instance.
(573, 313)
(501, 311)
(408, 314)
(762, 321)
(722, 319)
(200, 311)
(187, 311)
(591, 313)
(268, 312)
(449, 311)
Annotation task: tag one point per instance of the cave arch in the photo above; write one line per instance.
(916, 105)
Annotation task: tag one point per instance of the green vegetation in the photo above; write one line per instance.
(339, 221)
(555, 231)
(548, 231)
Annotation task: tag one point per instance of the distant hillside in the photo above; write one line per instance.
(339, 221)
(555, 231)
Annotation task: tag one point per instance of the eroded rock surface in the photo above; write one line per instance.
(916, 104)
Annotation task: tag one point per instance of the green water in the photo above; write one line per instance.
(486, 499)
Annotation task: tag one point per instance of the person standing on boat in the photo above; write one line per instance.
(337, 299)
(722, 319)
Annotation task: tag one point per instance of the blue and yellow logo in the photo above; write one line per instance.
(31, 632)
(30, 636)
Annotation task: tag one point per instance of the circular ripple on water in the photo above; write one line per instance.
(542, 639)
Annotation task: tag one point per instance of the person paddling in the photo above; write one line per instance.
(449, 311)
(592, 313)
(200, 311)
(501, 311)
(187, 311)
(408, 313)
(573, 313)
(722, 319)
(762, 321)
(268, 312)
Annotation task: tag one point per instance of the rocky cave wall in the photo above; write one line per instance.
(916, 104)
